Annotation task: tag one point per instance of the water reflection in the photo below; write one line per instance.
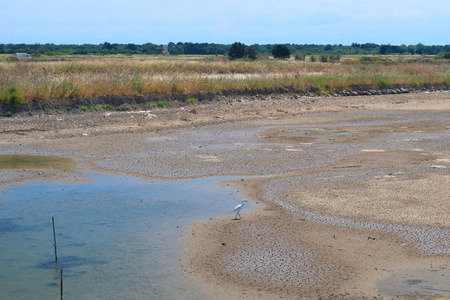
(116, 236)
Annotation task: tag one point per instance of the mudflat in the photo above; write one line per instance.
(349, 189)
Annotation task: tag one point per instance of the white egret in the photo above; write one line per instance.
(238, 208)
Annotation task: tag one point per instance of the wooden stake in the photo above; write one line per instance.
(61, 284)
(54, 239)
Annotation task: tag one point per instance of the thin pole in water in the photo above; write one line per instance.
(61, 284)
(54, 239)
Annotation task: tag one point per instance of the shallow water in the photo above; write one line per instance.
(316, 133)
(117, 236)
(419, 283)
(310, 135)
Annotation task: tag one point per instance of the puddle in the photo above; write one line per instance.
(303, 135)
(416, 283)
(117, 236)
(16, 161)
(316, 133)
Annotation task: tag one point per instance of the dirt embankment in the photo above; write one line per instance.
(133, 102)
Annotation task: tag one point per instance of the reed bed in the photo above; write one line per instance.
(88, 76)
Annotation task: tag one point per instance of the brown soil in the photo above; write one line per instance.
(375, 159)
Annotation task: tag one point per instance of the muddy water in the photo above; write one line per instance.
(417, 283)
(117, 237)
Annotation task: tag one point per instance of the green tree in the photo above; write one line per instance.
(420, 49)
(237, 50)
(281, 51)
(107, 46)
(323, 57)
(402, 49)
(251, 53)
(132, 47)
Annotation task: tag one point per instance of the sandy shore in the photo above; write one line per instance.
(353, 188)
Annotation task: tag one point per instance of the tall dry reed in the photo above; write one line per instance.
(88, 76)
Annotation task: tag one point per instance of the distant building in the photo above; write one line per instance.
(21, 55)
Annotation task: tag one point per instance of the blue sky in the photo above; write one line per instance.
(263, 22)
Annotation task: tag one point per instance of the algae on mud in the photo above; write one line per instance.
(21, 161)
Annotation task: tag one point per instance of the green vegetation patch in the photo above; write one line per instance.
(381, 81)
(13, 96)
(375, 60)
(161, 103)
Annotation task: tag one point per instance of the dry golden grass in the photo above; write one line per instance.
(72, 76)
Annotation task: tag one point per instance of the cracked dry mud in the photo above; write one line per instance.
(270, 259)
(350, 189)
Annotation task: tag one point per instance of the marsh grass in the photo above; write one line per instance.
(69, 77)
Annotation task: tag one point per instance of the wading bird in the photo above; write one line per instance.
(238, 208)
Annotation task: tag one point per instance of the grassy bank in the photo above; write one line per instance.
(86, 76)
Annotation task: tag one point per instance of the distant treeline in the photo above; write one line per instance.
(217, 49)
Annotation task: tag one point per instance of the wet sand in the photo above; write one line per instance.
(354, 188)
